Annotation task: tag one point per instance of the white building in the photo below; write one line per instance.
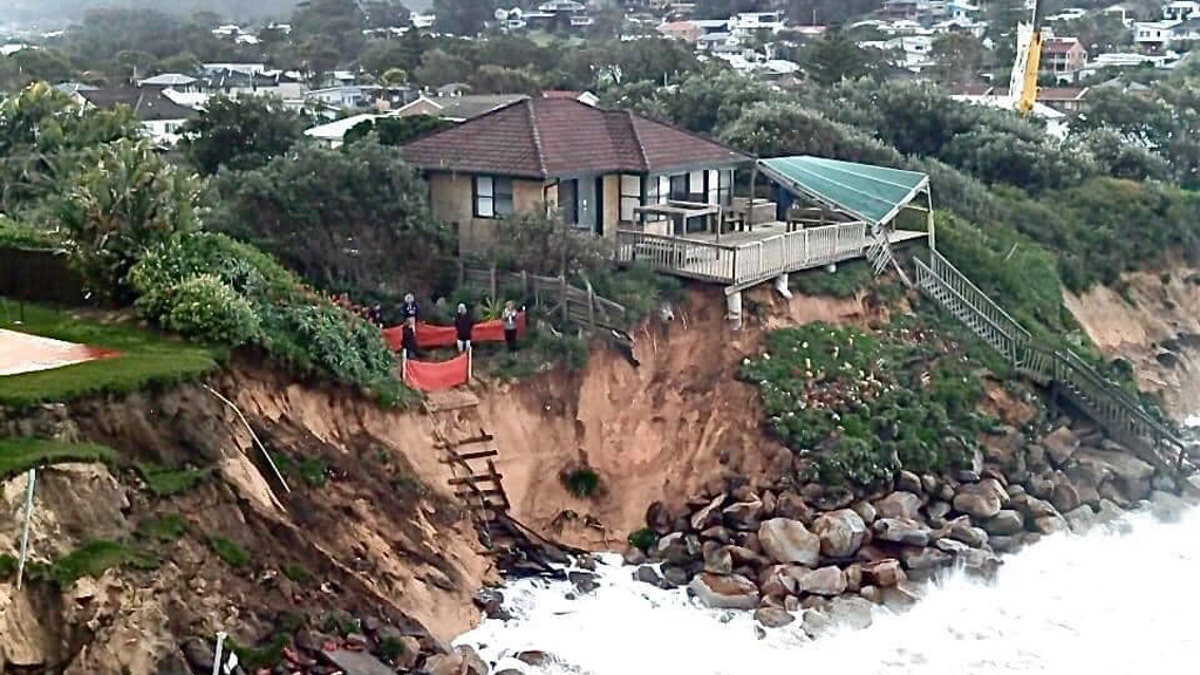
(334, 133)
(1155, 35)
(747, 23)
(422, 21)
(1181, 10)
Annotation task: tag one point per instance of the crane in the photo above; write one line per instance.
(1022, 87)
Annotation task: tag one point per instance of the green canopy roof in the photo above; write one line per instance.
(874, 194)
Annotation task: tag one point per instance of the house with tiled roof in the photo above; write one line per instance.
(161, 117)
(1064, 57)
(597, 167)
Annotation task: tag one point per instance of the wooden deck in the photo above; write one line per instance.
(742, 259)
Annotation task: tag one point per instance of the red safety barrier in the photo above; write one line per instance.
(436, 375)
(430, 335)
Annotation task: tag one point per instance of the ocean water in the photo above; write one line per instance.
(1117, 601)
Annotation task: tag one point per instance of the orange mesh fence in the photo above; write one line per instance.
(432, 376)
(430, 335)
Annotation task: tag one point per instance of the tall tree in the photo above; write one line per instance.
(337, 23)
(835, 58)
(127, 200)
(958, 56)
(464, 17)
(240, 133)
(350, 218)
(384, 13)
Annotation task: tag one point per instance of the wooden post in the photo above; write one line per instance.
(524, 285)
(492, 281)
(929, 220)
(462, 273)
(750, 204)
(562, 279)
(591, 304)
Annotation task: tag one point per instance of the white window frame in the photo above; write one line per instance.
(630, 196)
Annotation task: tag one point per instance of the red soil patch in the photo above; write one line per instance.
(23, 353)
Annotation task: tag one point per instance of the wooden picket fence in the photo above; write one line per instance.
(580, 306)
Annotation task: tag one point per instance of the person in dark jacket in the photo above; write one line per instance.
(408, 341)
(410, 309)
(463, 323)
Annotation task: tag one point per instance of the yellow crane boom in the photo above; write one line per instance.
(1023, 85)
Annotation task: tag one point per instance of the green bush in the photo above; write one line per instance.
(297, 573)
(864, 405)
(230, 552)
(208, 309)
(165, 482)
(94, 557)
(643, 539)
(850, 279)
(583, 483)
(267, 305)
(23, 235)
(164, 529)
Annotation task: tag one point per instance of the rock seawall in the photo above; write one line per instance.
(781, 547)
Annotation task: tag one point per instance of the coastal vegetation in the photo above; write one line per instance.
(865, 405)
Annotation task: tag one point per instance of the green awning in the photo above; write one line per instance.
(874, 194)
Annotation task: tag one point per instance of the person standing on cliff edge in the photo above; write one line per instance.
(463, 323)
(509, 317)
(410, 309)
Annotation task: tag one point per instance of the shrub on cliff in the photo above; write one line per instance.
(864, 405)
(176, 280)
(207, 308)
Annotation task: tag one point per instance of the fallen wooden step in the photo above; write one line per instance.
(493, 492)
(482, 438)
(475, 479)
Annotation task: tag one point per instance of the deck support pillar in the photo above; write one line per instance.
(781, 285)
(733, 306)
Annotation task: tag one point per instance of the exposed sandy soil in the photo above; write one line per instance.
(1155, 326)
(380, 535)
(657, 432)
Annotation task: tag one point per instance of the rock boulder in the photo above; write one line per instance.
(902, 531)
(724, 592)
(899, 504)
(841, 532)
(789, 541)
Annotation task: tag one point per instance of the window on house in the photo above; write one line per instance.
(696, 186)
(679, 187)
(493, 197)
(725, 187)
(631, 196)
(568, 200)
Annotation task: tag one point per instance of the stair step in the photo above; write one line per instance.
(463, 480)
(466, 456)
(487, 494)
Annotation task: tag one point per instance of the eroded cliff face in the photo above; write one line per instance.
(377, 533)
(657, 432)
(363, 534)
(1154, 323)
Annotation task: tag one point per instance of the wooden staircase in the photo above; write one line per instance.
(471, 452)
(1062, 370)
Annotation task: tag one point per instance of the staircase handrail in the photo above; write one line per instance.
(1062, 365)
(938, 260)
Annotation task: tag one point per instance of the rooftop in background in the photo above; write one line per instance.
(458, 108)
(147, 104)
(168, 80)
(547, 137)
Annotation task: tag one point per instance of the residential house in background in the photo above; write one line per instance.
(161, 117)
(177, 81)
(1181, 10)
(594, 166)
(457, 108)
(687, 31)
(1064, 57)
(1155, 36)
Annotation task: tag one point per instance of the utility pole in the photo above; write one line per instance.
(25, 527)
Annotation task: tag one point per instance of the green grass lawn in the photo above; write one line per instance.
(21, 454)
(147, 357)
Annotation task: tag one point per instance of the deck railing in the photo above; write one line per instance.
(749, 262)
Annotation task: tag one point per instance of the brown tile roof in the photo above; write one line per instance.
(1061, 93)
(548, 137)
(1060, 45)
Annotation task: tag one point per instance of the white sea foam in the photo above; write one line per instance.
(1108, 603)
